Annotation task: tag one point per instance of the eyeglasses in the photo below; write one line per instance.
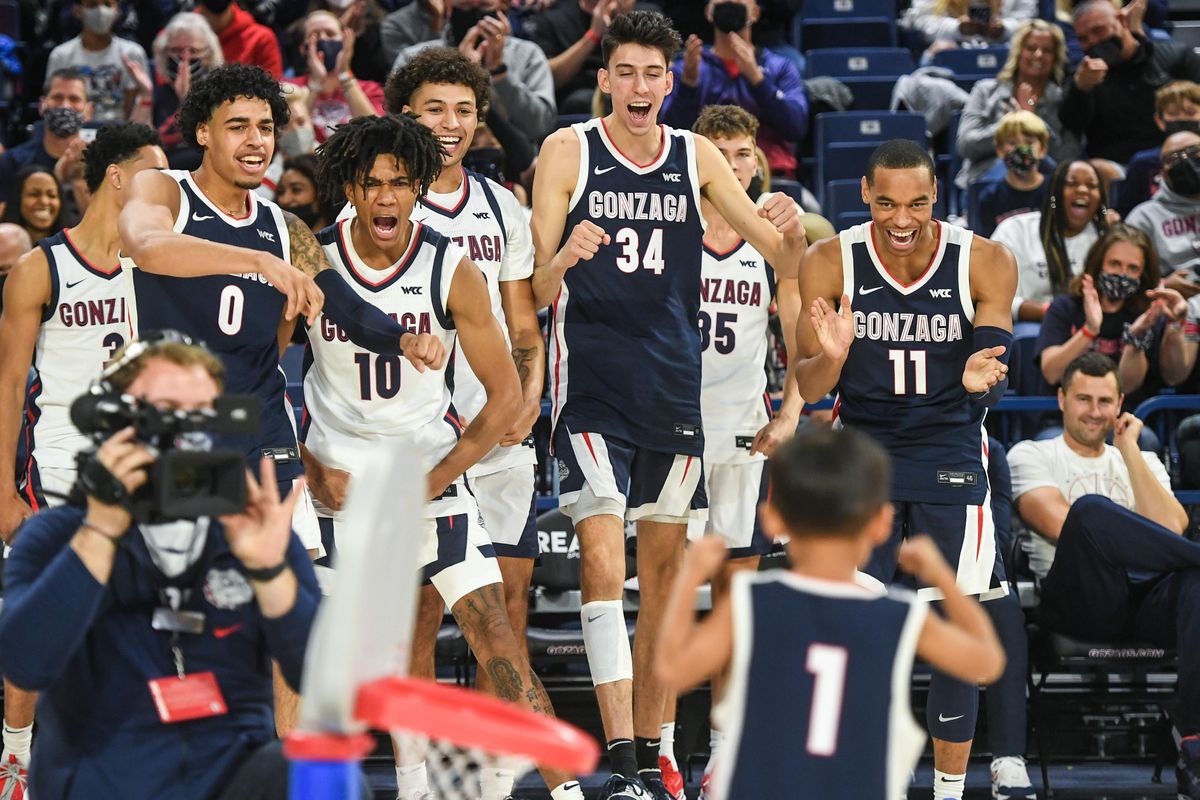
(186, 51)
(1191, 153)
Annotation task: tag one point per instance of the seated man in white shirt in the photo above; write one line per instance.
(1106, 537)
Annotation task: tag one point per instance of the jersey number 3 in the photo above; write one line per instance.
(827, 664)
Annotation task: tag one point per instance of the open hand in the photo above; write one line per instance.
(835, 332)
(984, 369)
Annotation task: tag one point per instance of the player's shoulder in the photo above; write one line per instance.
(562, 142)
(504, 196)
(328, 235)
(825, 254)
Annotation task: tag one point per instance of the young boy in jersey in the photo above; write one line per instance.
(382, 165)
(810, 651)
(917, 361)
(65, 314)
(618, 237)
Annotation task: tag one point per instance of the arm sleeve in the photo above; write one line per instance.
(287, 636)
(781, 98)
(50, 601)
(1029, 466)
(365, 324)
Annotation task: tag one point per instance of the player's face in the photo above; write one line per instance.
(638, 80)
(739, 152)
(384, 201)
(449, 110)
(167, 385)
(1081, 195)
(901, 203)
(1090, 407)
(40, 201)
(239, 141)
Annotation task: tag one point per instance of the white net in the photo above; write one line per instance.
(454, 772)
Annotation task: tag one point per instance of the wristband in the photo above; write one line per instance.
(147, 103)
(1141, 343)
(1087, 334)
(264, 575)
(592, 36)
(346, 77)
(498, 71)
(91, 526)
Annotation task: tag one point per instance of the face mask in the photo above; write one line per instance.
(297, 140)
(306, 214)
(729, 17)
(175, 546)
(1116, 287)
(216, 6)
(1181, 126)
(63, 121)
(1108, 51)
(196, 66)
(462, 20)
(1184, 178)
(100, 19)
(1021, 160)
(487, 161)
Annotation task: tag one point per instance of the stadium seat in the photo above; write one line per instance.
(793, 189)
(849, 219)
(842, 32)
(974, 193)
(843, 197)
(10, 19)
(859, 62)
(844, 141)
(847, 9)
(567, 120)
(972, 63)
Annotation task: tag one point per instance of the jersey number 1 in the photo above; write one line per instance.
(827, 663)
(900, 374)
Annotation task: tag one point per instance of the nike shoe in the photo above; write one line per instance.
(671, 778)
(657, 789)
(1187, 769)
(1010, 779)
(13, 779)
(618, 787)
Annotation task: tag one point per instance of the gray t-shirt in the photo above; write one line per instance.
(108, 77)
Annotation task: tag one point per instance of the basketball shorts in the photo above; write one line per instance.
(734, 492)
(304, 518)
(601, 474)
(506, 501)
(966, 536)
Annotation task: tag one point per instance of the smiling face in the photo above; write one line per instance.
(40, 202)
(239, 141)
(1039, 51)
(901, 203)
(295, 189)
(1081, 195)
(384, 201)
(447, 109)
(638, 80)
(1090, 406)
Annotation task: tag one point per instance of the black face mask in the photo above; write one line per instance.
(195, 66)
(1108, 51)
(487, 161)
(306, 214)
(1021, 160)
(462, 20)
(216, 6)
(1116, 288)
(1180, 126)
(1184, 178)
(729, 17)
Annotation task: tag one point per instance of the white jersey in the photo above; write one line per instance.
(86, 321)
(736, 290)
(350, 394)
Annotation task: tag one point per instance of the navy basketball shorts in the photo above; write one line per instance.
(506, 500)
(601, 474)
(734, 493)
(966, 536)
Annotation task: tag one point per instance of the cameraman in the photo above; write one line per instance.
(152, 643)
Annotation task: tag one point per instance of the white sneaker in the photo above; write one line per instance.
(1010, 779)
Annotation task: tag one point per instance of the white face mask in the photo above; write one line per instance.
(175, 546)
(100, 19)
(297, 140)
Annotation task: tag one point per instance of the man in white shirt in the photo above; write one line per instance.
(116, 68)
(1107, 538)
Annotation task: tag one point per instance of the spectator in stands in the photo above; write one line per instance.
(522, 84)
(184, 50)
(1170, 217)
(1106, 540)
(1110, 98)
(968, 23)
(1180, 339)
(106, 60)
(297, 192)
(55, 142)
(1176, 109)
(37, 203)
(1021, 139)
(569, 33)
(1108, 310)
(243, 41)
(1050, 245)
(364, 17)
(14, 243)
(734, 72)
(1030, 80)
(418, 21)
(334, 93)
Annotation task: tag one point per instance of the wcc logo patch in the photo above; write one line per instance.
(227, 589)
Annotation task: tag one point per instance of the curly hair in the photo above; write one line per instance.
(1053, 226)
(225, 84)
(349, 154)
(726, 122)
(115, 144)
(436, 65)
(647, 28)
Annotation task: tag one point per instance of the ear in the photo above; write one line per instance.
(112, 175)
(866, 191)
(753, 13)
(88, 109)
(933, 198)
(1062, 399)
(1160, 122)
(602, 80)
(670, 76)
(708, 11)
(202, 134)
(348, 190)
(407, 109)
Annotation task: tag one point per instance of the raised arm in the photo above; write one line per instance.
(823, 336)
(1152, 497)
(26, 294)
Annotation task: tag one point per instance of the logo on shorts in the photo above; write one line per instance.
(227, 588)
(563, 470)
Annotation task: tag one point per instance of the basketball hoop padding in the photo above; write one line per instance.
(469, 719)
(301, 746)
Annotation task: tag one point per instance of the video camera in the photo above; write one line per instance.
(189, 479)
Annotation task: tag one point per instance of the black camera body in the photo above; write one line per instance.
(189, 479)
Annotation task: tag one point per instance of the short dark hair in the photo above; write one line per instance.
(67, 74)
(1092, 364)
(349, 154)
(647, 28)
(225, 84)
(436, 65)
(829, 482)
(899, 154)
(115, 144)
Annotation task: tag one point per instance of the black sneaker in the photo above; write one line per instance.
(657, 789)
(1187, 769)
(618, 787)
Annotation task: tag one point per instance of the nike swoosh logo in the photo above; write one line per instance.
(593, 619)
(221, 633)
(567, 787)
(73, 284)
(949, 719)
(599, 171)
(862, 290)
(199, 218)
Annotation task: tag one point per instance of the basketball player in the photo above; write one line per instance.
(382, 165)
(622, 194)
(65, 314)
(918, 353)
(810, 651)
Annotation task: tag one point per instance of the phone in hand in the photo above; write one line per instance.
(330, 48)
(980, 14)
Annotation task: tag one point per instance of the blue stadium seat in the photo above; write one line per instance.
(859, 62)
(835, 32)
(843, 197)
(976, 63)
(847, 9)
(845, 140)
(849, 219)
(842, 161)
(974, 193)
(10, 19)
(567, 120)
(793, 189)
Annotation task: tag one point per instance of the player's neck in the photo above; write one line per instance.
(228, 196)
(449, 180)
(640, 148)
(96, 234)
(824, 558)
(374, 255)
(719, 235)
(1081, 449)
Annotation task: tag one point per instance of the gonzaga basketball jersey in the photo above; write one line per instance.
(86, 321)
(237, 316)
(829, 664)
(902, 381)
(736, 290)
(624, 344)
(351, 394)
(487, 222)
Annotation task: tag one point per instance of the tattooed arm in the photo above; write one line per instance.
(529, 355)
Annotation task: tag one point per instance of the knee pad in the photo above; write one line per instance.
(952, 708)
(607, 641)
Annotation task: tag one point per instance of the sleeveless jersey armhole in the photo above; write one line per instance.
(582, 176)
(48, 309)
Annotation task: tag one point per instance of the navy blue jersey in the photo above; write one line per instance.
(625, 343)
(902, 381)
(829, 664)
(237, 316)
